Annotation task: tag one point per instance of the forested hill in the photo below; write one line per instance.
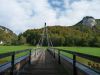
(84, 33)
(7, 36)
(81, 34)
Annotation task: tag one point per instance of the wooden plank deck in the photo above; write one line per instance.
(46, 65)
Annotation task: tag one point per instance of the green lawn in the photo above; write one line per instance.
(87, 50)
(5, 49)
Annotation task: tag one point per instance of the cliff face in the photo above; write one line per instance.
(89, 21)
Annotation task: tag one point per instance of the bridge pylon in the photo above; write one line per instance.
(45, 37)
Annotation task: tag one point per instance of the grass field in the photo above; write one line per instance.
(87, 50)
(5, 49)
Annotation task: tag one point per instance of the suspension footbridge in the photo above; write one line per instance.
(48, 61)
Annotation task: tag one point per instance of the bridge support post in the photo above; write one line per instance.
(29, 56)
(12, 64)
(35, 53)
(74, 65)
(59, 61)
(54, 53)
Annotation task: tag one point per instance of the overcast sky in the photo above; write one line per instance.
(20, 15)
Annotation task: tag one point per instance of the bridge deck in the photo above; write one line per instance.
(46, 65)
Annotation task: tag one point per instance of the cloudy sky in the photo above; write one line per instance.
(20, 15)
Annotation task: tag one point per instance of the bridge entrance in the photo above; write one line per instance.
(44, 65)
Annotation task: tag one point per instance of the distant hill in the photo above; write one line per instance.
(84, 33)
(80, 34)
(88, 23)
(7, 36)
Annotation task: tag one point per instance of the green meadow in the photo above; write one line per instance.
(5, 49)
(87, 50)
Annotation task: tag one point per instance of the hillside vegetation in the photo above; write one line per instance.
(77, 35)
(7, 37)
(84, 33)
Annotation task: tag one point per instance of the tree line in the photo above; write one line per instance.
(78, 35)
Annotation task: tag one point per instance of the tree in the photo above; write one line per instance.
(21, 39)
(65, 36)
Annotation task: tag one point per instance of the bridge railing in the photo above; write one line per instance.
(13, 61)
(55, 51)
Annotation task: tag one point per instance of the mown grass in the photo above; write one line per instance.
(5, 49)
(86, 50)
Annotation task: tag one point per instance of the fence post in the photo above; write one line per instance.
(12, 63)
(74, 65)
(30, 56)
(35, 52)
(59, 57)
(54, 53)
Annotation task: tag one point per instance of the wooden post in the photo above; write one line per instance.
(35, 52)
(59, 57)
(54, 53)
(74, 65)
(12, 64)
(29, 56)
